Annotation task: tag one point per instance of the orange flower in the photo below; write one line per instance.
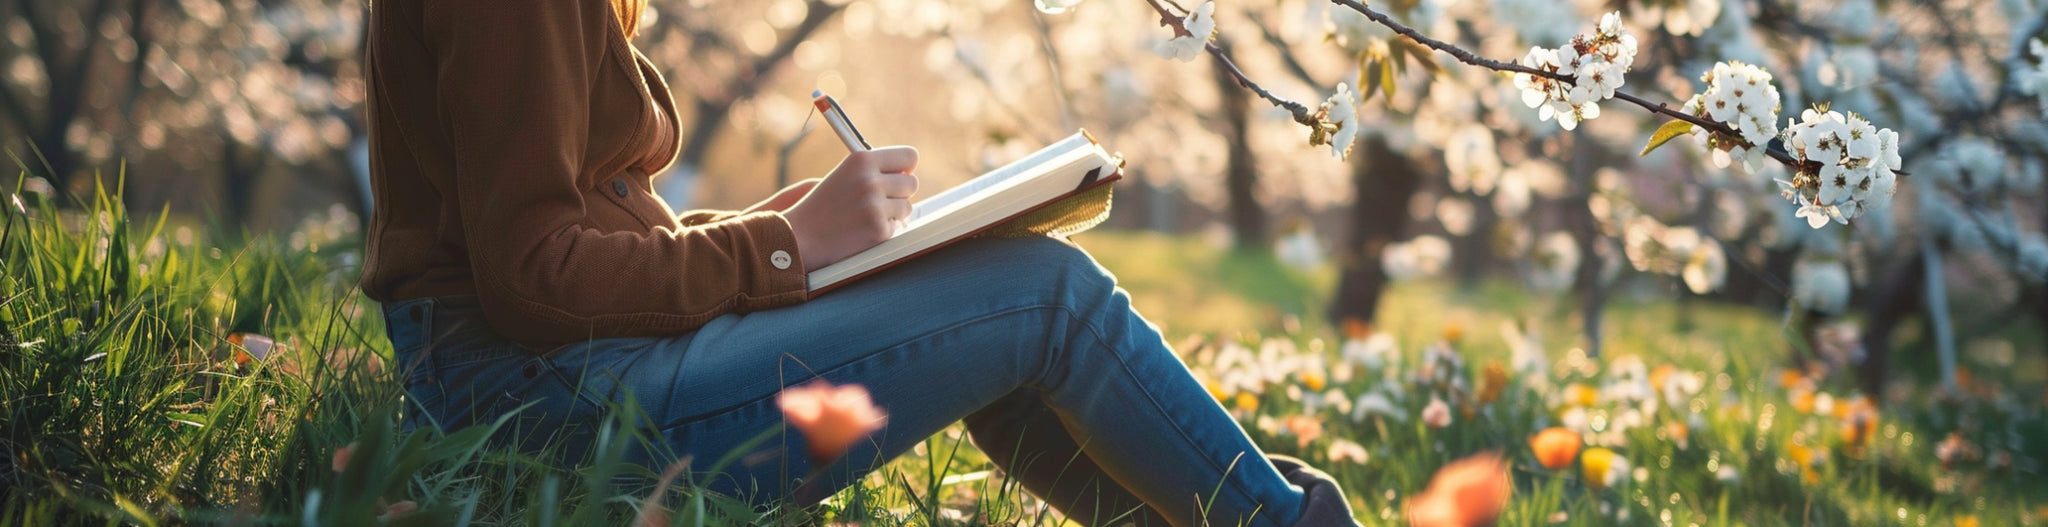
(1857, 428)
(831, 418)
(1305, 429)
(652, 513)
(1454, 331)
(251, 347)
(1356, 328)
(341, 457)
(1802, 400)
(1555, 447)
(1661, 375)
(1790, 377)
(1470, 491)
(1492, 380)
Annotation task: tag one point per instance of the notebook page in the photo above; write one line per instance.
(947, 201)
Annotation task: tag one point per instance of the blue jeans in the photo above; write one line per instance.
(1028, 341)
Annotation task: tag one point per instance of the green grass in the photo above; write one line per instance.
(121, 402)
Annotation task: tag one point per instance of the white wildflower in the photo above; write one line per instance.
(1373, 352)
(1376, 403)
(1200, 25)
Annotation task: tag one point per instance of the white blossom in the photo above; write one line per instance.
(1596, 63)
(2035, 80)
(1821, 285)
(1741, 96)
(1200, 25)
(1340, 115)
(1555, 263)
(1855, 165)
(1707, 268)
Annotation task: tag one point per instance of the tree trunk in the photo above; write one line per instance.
(1585, 229)
(1241, 176)
(1382, 182)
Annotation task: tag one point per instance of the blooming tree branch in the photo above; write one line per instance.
(1186, 36)
(1842, 164)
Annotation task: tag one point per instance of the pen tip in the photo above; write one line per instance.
(816, 93)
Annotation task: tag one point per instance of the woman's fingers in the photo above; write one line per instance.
(898, 209)
(890, 159)
(896, 186)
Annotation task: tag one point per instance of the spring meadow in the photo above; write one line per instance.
(1478, 262)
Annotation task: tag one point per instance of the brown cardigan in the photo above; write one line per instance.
(511, 143)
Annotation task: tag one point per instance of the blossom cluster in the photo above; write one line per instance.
(2035, 80)
(1846, 166)
(1200, 25)
(1596, 63)
(1741, 96)
(1337, 120)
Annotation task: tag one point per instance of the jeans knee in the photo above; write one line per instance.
(1076, 271)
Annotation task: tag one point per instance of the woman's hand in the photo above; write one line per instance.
(855, 207)
(788, 196)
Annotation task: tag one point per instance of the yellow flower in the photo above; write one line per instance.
(1602, 467)
(1247, 402)
(1660, 375)
(1581, 395)
(1217, 392)
(1313, 380)
(1966, 520)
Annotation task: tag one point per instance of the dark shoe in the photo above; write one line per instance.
(1322, 502)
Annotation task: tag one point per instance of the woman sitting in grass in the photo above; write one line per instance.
(525, 265)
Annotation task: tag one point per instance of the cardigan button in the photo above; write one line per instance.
(619, 186)
(780, 259)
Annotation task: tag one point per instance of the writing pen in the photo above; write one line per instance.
(836, 117)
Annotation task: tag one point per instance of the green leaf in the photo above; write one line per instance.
(1368, 78)
(1665, 134)
(1387, 78)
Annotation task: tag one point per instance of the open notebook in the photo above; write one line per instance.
(1058, 190)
